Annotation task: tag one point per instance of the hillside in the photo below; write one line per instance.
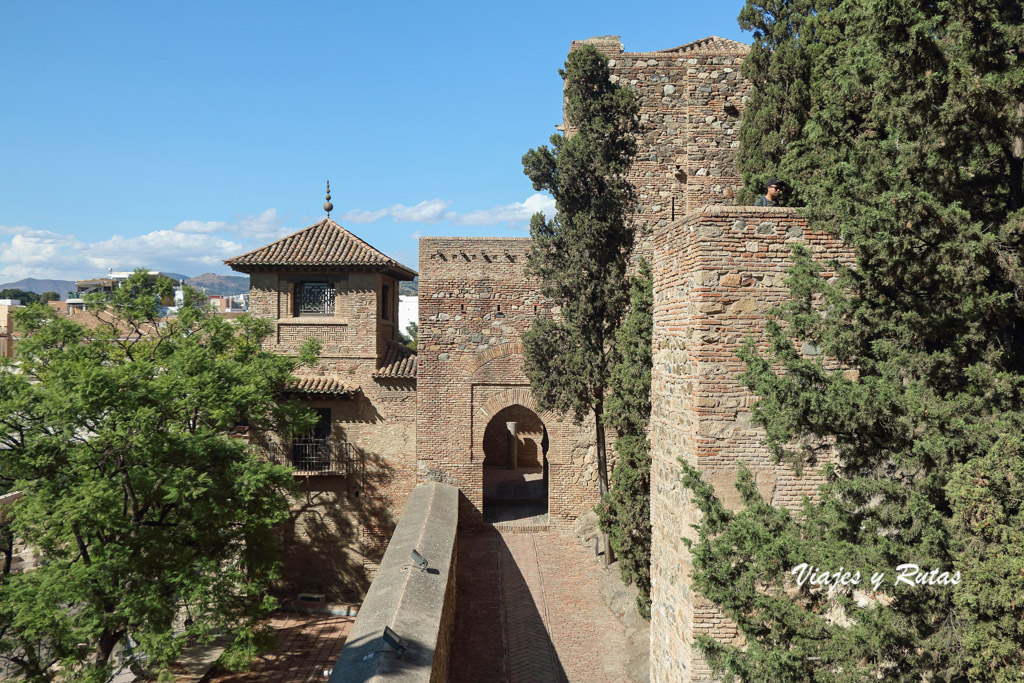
(31, 284)
(224, 285)
(409, 288)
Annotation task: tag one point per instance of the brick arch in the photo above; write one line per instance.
(486, 356)
(517, 396)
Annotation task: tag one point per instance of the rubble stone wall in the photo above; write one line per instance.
(716, 272)
(691, 98)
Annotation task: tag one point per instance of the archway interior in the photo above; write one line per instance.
(515, 449)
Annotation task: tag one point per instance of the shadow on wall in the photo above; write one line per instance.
(412, 661)
(495, 612)
(336, 528)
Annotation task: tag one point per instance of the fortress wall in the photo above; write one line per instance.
(690, 100)
(716, 273)
(475, 303)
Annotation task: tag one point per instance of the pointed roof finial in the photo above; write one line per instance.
(328, 207)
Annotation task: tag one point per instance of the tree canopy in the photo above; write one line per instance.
(154, 524)
(582, 253)
(905, 139)
(626, 512)
(26, 297)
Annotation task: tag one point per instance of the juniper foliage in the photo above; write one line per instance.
(626, 513)
(911, 151)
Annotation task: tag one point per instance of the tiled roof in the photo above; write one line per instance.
(711, 43)
(399, 362)
(321, 385)
(323, 244)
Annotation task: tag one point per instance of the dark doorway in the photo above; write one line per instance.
(515, 467)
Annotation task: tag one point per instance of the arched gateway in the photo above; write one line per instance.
(478, 425)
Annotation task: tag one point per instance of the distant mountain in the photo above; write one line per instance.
(409, 288)
(224, 285)
(30, 284)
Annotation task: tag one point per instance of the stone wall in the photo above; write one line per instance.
(691, 98)
(716, 272)
(475, 303)
(418, 605)
(340, 525)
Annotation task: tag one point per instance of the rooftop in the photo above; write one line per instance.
(324, 245)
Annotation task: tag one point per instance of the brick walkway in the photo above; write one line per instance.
(528, 610)
(307, 644)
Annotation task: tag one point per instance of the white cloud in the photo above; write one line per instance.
(519, 212)
(416, 235)
(265, 226)
(121, 253)
(429, 211)
(358, 216)
(201, 227)
(44, 254)
(436, 210)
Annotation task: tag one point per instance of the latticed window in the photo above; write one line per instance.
(314, 298)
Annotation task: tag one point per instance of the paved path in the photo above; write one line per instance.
(307, 645)
(528, 610)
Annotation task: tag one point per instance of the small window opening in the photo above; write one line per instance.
(385, 303)
(312, 451)
(314, 298)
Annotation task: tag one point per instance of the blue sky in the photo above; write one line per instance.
(172, 135)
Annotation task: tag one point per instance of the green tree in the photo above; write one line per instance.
(22, 295)
(582, 253)
(789, 38)
(626, 513)
(913, 156)
(49, 296)
(146, 512)
(411, 336)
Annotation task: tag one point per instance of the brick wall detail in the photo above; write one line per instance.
(716, 272)
(340, 525)
(475, 303)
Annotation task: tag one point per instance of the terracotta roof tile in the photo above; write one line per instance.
(399, 362)
(323, 244)
(321, 385)
(711, 43)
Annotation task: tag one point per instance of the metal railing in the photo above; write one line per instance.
(311, 455)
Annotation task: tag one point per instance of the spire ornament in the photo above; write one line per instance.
(328, 207)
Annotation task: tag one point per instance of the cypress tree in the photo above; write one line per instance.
(626, 513)
(789, 38)
(582, 253)
(912, 153)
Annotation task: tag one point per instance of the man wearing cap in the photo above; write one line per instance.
(773, 188)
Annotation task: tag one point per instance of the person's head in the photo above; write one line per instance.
(772, 189)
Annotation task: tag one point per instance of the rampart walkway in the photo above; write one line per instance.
(529, 610)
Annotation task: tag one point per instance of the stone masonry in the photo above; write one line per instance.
(717, 269)
(690, 98)
(475, 303)
(344, 517)
(716, 272)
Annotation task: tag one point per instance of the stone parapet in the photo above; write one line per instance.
(717, 272)
(417, 605)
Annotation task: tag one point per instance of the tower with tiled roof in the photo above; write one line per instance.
(358, 464)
